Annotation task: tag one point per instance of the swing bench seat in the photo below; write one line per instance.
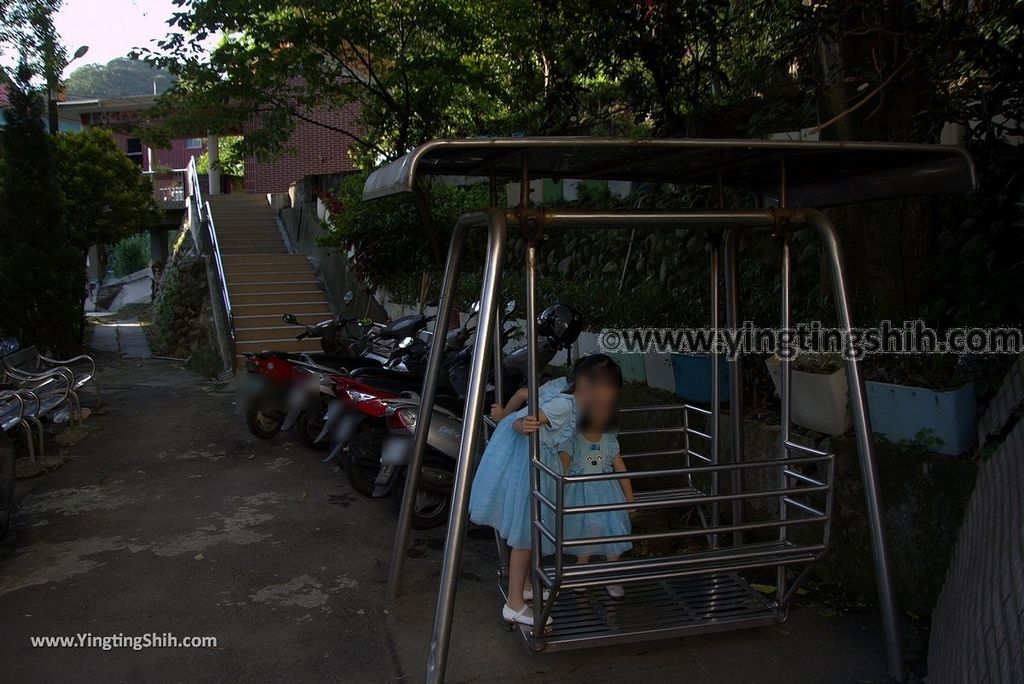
(654, 609)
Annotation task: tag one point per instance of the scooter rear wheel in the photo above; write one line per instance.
(431, 509)
(263, 423)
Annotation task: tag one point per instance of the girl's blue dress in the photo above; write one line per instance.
(589, 458)
(500, 497)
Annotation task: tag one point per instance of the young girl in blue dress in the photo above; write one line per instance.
(500, 497)
(593, 449)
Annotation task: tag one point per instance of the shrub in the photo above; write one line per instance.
(129, 255)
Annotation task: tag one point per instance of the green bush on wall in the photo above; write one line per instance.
(664, 283)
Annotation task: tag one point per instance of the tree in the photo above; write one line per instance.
(418, 70)
(120, 77)
(41, 272)
(26, 28)
(104, 197)
(231, 159)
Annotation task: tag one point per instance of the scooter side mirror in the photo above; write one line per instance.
(349, 296)
(475, 307)
(290, 319)
(510, 306)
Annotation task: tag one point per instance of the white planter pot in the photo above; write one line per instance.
(819, 401)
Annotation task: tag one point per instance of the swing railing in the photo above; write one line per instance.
(664, 591)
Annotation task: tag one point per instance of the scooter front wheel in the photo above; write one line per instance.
(263, 422)
(362, 459)
(308, 430)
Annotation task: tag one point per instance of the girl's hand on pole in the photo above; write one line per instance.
(527, 425)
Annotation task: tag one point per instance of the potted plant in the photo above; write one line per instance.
(924, 400)
(819, 399)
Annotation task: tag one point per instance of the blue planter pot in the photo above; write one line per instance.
(693, 377)
(942, 421)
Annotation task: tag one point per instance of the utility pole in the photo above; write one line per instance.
(55, 66)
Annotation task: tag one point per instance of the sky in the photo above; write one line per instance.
(111, 28)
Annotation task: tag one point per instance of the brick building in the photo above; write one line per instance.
(311, 150)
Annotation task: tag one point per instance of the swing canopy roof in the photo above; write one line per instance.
(817, 174)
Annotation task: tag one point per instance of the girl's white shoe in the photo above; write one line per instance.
(519, 617)
(615, 591)
(528, 594)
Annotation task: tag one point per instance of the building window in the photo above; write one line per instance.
(133, 150)
(193, 143)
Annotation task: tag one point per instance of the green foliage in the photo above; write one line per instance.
(104, 196)
(26, 28)
(232, 157)
(387, 243)
(664, 282)
(42, 274)
(129, 255)
(417, 69)
(120, 77)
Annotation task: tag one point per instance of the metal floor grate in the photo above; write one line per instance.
(654, 610)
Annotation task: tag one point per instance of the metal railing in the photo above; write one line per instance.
(218, 263)
(200, 217)
(169, 187)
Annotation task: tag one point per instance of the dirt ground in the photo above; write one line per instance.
(168, 517)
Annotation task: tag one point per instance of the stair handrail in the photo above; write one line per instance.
(195, 192)
(222, 280)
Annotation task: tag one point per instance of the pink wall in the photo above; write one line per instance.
(177, 157)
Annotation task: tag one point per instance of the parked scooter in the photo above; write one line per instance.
(308, 401)
(355, 423)
(282, 389)
(558, 327)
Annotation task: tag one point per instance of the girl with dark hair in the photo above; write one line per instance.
(500, 497)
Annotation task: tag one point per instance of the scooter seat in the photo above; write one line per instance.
(343, 362)
(406, 326)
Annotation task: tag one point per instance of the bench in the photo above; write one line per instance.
(28, 365)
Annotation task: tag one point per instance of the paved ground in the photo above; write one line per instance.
(123, 336)
(171, 518)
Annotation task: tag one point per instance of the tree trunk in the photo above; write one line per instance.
(888, 242)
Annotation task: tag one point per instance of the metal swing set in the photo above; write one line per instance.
(687, 590)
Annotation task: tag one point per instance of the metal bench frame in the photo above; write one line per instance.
(43, 367)
(777, 172)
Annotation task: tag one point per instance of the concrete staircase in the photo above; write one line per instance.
(264, 281)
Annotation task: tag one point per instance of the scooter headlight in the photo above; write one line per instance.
(359, 397)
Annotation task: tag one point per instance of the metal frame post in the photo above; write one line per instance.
(437, 658)
(785, 390)
(716, 380)
(865, 447)
(732, 322)
(534, 454)
(427, 395)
